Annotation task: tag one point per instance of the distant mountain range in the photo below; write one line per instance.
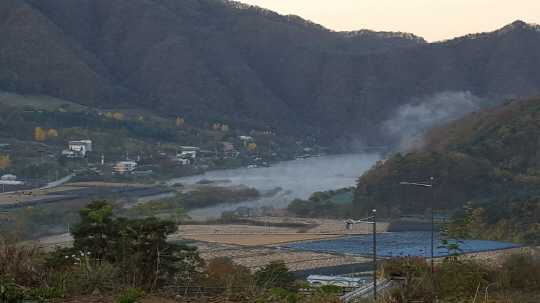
(209, 59)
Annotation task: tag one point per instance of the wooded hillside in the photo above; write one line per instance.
(202, 58)
(490, 157)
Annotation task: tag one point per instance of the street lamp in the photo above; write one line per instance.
(349, 225)
(426, 184)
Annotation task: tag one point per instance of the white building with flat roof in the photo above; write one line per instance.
(9, 179)
(320, 280)
(78, 149)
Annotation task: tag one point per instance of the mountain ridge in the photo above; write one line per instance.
(202, 58)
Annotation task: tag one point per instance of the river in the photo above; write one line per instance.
(297, 179)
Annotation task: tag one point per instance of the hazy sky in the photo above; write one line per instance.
(433, 20)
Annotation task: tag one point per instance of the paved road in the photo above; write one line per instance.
(57, 182)
(335, 270)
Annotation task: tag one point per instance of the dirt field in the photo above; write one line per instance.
(105, 184)
(23, 196)
(258, 239)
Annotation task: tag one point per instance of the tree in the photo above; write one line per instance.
(275, 274)
(223, 272)
(108, 115)
(118, 116)
(138, 247)
(40, 134)
(252, 146)
(141, 118)
(52, 133)
(301, 207)
(224, 128)
(5, 162)
(216, 126)
(228, 215)
(179, 121)
(62, 160)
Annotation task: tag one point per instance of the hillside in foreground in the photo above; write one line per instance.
(490, 157)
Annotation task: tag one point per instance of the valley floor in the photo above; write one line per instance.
(256, 246)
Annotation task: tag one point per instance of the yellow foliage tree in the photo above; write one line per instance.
(179, 121)
(5, 162)
(40, 134)
(216, 126)
(108, 115)
(141, 118)
(118, 116)
(224, 128)
(252, 146)
(52, 133)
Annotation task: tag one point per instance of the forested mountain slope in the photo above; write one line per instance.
(490, 157)
(203, 59)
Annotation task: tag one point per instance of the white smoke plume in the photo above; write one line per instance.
(412, 120)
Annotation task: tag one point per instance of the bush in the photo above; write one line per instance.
(275, 275)
(40, 293)
(10, 292)
(18, 262)
(331, 288)
(88, 274)
(132, 295)
(521, 271)
(409, 266)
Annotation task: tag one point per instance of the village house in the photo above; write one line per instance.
(77, 149)
(125, 166)
(188, 152)
(10, 179)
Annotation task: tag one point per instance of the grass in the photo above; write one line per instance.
(38, 102)
(55, 189)
(43, 102)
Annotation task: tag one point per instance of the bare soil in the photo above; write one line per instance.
(23, 196)
(258, 239)
(105, 184)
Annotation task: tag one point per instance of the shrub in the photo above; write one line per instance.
(409, 266)
(18, 262)
(132, 295)
(40, 293)
(280, 294)
(275, 275)
(10, 292)
(87, 274)
(331, 288)
(521, 271)
(223, 272)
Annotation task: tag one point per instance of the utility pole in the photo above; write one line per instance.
(374, 255)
